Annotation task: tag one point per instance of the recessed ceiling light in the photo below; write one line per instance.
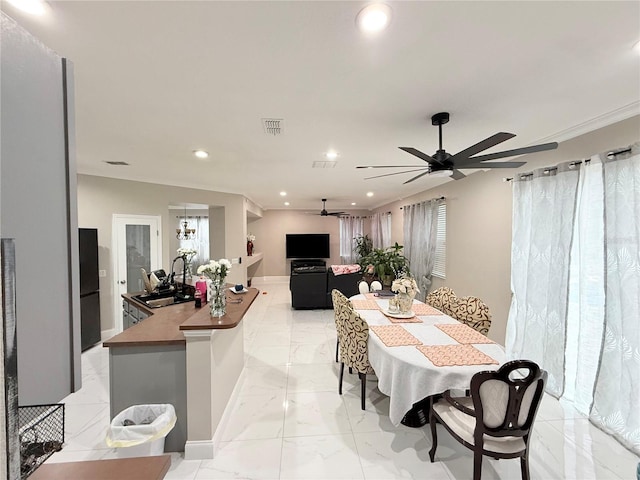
(374, 18)
(369, 194)
(34, 7)
(201, 153)
(283, 194)
(331, 155)
(353, 203)
(286, 203)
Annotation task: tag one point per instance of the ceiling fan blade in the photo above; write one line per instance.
(493, 165)
(417, 177)
(389, 166)
(457, 174)
(518, 151)
(396, 173)
(480, 146)
(419, 154)
(336, 214)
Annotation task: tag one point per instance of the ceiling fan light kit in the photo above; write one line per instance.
(444, 164)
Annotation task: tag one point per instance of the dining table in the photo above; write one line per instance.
(421, 353)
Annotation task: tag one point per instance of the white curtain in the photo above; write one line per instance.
(381, 230)
(543, 212)
(576, 287)
(350, 228)
(616, 400)
(200, 244)
(420, 232)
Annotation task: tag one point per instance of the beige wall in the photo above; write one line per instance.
(270, 231)
(99, 198)
(479, 210)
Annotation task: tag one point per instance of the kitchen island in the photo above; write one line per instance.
(183, 356)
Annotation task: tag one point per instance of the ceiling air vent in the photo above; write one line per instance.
(115, 163)
(324, 164)
(273, 126)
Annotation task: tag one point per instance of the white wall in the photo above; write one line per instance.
(479, 209)
(99, 198)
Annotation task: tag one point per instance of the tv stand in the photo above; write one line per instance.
(308, 262)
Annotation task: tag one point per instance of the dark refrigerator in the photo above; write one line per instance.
(89, 288)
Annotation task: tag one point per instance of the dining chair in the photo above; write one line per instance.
(341, 310)
(353, 333)
(497, 418)
(440, 298)
(472, 311)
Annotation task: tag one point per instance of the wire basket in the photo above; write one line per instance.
(41, 432)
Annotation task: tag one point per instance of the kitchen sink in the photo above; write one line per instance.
(162, 299)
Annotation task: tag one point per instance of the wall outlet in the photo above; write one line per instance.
(102, 273)
(236, 261)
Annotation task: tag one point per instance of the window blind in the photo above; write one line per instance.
(441, 243)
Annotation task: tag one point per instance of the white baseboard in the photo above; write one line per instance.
(198, 449)
(267, 280)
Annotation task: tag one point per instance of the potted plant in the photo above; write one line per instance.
(387, 263)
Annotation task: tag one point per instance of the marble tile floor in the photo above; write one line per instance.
(290, 423)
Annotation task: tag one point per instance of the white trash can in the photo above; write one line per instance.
(143, 433)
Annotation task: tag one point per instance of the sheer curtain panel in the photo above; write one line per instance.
(381, 230)
(350, 228)
(616, 403)
(543, 213)
(420, 232)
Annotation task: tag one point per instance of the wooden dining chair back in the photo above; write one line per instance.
(497, 418)
(440, 298)
(471, 311)
(341, 310)
(353, 334)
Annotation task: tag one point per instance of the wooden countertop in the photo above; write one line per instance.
(164, 325)
(137, 468)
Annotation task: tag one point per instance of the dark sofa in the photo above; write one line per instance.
(311, 286)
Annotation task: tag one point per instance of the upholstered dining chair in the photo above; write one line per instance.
(471, 311)
(353, 333)
(341, 310)
(440, 298)
(497, 418)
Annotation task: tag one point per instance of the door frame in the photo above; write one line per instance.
(119, 219)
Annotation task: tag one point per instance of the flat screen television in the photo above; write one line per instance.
(307, 245)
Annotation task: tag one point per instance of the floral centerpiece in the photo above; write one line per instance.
(406, 289)
(250, 239)
(216, 271)
(188, 254)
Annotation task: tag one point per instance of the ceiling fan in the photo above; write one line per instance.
(324, 213)
(445, 164)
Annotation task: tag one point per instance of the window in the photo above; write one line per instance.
(441, 243)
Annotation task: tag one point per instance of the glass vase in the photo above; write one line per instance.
(217, 298)
(405, 302)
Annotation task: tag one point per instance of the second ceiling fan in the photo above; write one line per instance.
(449, 164)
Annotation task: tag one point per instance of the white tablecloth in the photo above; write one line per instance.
(405, 374)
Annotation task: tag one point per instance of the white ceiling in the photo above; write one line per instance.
(157, 79)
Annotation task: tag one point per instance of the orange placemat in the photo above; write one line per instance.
(463, 333)
(394, 335)
(413, 319)
(370, 296)
(424, 309)
(455, 355)
(365, 305)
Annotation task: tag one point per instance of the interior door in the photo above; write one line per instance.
(138, 245)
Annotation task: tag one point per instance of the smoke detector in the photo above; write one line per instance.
(273, 126)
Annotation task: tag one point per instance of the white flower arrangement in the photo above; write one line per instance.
(189, 252)
(251, 238)
(215, 270)
(405, 284)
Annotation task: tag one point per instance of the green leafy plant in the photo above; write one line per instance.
(363, 248)
(387, 262)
